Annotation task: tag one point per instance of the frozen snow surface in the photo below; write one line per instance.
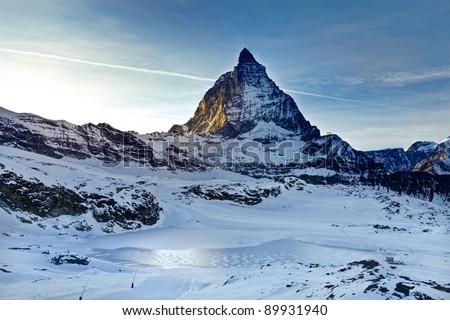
(283, 240)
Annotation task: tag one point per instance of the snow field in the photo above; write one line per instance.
(302, 244)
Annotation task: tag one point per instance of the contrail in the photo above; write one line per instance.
(107, 65)
(175, 74)
(347, 100)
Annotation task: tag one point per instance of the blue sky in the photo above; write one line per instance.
(387, 61)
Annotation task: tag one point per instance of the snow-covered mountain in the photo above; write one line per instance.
(98, 143)
(58, 139)
(245, 105)
(439, 161)
(421, 156)
(242, 98)
(399, 160)
(420, 150)
(247, 193)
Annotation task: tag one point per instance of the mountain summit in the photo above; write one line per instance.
(246, 56)
(244, 97)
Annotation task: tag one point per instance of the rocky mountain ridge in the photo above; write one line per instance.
(58, 139)
(243, 105)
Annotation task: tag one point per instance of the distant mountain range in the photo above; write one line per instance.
(421, 156)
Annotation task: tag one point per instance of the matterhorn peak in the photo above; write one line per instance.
(245, 56)
(243, 98)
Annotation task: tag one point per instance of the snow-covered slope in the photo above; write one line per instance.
(41, 187)
(224, 236)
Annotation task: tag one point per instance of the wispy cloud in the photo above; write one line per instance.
(399, 78)
(402, 78)
(106, 65)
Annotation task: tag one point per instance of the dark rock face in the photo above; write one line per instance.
(17, 193)
(146, 211)
(69, 259)
(242, 98)
(235, 192)
(245, 56)
(403, 288)
(366, 264)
